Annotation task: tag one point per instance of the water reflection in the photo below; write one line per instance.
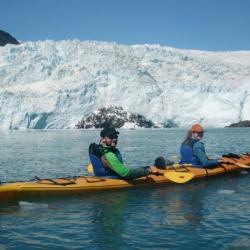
(161, 211)
(183, 205)
(108, 218)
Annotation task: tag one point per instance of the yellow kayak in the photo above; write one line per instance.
(87, 184)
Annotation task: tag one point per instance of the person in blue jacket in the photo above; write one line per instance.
(193, 151)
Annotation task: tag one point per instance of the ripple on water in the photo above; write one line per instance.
(31, 205)
(225, 191)
(240, 243)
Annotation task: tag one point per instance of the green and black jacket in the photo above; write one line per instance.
(110, 160)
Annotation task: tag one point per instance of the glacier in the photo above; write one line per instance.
(54, 84)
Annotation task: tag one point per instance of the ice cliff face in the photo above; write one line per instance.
(49, 84)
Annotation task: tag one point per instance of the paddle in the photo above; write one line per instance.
(240, 165)
(233, 157)
(177, 177)
(90, 168)
(178, 165)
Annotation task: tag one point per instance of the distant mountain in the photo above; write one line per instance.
(48, 84)
(6, 38)
(240, 124)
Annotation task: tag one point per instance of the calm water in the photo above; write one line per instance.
(206, 214)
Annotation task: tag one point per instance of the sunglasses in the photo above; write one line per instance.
(113, 136)
(200, 134)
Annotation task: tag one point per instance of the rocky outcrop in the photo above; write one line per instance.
(240, 124)
(113, 117)
(6, 38)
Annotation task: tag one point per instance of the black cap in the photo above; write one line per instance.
(109, 132)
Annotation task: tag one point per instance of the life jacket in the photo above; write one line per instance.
(187, 153)
(95, 158)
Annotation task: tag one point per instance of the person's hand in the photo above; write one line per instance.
(221, 161)
(153, 169)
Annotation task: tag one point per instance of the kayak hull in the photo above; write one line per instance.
(88, 184)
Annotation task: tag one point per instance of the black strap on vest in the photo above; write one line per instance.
(94, 149)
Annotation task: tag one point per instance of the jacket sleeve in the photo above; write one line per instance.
(199, 151)
(123, 171)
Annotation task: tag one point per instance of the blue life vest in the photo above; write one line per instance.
(95, 158)
(187, 153)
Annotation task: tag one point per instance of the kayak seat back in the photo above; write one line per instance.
(99, 169)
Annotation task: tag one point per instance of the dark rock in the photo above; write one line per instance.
(113, 117)
(6, 38)
(140, 121)
(240, 124)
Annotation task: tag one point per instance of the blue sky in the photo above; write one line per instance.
(191, 24)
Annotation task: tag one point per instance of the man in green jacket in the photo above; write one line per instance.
(107, 160)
